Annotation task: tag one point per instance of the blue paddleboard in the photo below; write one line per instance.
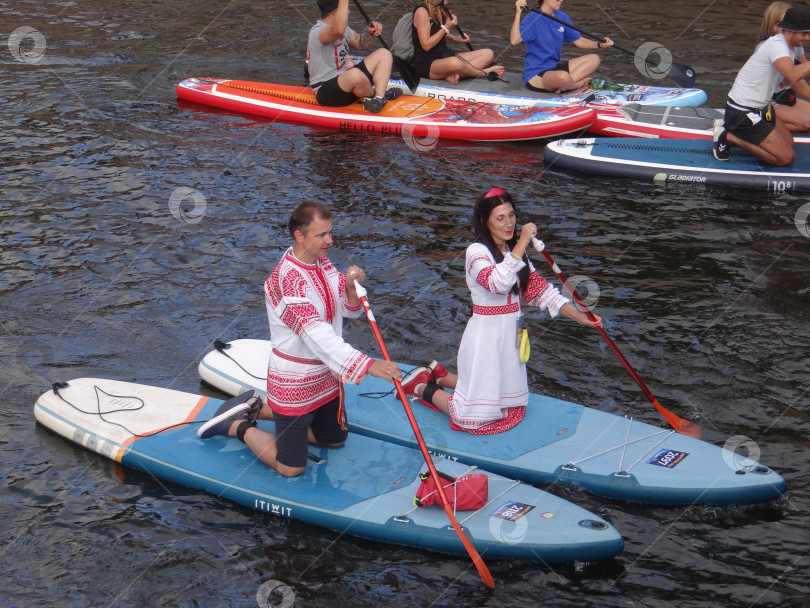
(609, 455)
(365, 488)
(678, 161)
(510, 90)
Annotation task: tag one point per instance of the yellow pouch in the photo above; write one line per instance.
(524, 348)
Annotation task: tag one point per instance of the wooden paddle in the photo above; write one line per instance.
(479, 563)
(680, 425)
(409, 74)
(681, 74)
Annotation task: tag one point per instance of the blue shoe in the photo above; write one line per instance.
(393, 93)
(225, 416)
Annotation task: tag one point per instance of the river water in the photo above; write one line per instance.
(136, 230)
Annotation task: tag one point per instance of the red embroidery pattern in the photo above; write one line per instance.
(513, 416)
(295, 394)
(537, 284)
(496, 310)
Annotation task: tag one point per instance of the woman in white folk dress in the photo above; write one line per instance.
(491, 390)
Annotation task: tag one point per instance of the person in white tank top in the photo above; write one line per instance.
(750, 121)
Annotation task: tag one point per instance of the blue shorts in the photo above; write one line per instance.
(562, 66)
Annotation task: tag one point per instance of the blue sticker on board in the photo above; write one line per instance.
(636, 97)
(668, 458)
(511, 510)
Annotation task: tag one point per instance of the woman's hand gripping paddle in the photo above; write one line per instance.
(409, 74)
(680, 425)
(476, 558)
(679, 73)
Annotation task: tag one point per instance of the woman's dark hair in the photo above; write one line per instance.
(303, 215)
(483, 209)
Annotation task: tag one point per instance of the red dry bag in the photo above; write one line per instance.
(466, 493)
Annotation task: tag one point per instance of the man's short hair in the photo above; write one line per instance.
(304, 213)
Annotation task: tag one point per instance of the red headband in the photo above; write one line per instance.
(494, 192)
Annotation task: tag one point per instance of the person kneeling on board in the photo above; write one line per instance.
(491, 390)
(307, 299)
(336, 79)
(750, 121)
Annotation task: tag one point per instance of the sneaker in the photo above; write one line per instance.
(438, 370)
(393, 93)
(374, 104)
(721, 149)
(225, 416)
(420, 375)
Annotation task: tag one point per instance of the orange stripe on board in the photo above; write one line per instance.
(190, 418)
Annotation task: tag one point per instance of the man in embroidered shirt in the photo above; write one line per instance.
(306, 299)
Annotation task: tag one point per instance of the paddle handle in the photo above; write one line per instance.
(446, 12)
(483, 571)
(677, 423)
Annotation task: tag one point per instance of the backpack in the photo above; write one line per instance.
(402, 42)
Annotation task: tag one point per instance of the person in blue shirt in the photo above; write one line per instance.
(543, 68)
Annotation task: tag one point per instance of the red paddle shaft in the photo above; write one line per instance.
(479, 563)
(679, 424)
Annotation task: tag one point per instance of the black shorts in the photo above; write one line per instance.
(752, 127)
(562, 66)
(291, 432)
(330, 94)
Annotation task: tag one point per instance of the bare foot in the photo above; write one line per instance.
(452, 78)
(497, 69)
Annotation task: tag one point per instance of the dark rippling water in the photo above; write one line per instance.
(705, 291)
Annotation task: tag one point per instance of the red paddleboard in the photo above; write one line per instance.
(408, 116)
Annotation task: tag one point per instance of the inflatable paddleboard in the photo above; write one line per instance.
(408, 116)
(557, 441)
(513, 91)
(658, 121)
(667, 161)
(365, 488)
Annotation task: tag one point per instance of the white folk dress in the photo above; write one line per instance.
(309, 360)
(491, 378)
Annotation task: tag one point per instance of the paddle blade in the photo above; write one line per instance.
(683, 75)
(408, 73)
(679, 424)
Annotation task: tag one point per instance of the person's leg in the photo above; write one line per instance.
(356, 82)
(263, 446)
(581, 68)
(470, 64)
(379, 65)
(795, 117)
(776, 149)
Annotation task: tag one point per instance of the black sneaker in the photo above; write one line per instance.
(374, 104)
(392, 93)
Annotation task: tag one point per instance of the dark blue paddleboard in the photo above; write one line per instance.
(365, 488)
(678, 161)
(557, 440)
